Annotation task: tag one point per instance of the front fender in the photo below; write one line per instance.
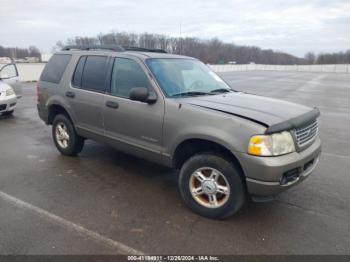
(187, 122)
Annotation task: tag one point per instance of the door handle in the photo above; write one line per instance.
(70, 94)
(112, 104)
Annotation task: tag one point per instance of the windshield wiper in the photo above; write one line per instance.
(221, 90)
(191, 93)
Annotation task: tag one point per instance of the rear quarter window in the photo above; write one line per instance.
(55, 68)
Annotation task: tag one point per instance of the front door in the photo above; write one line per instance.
(12, 79)
(134, 126)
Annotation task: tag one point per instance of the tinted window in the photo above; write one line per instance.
(126, 75)
(94, 75)
(9, 70)
(54, 69)
(77, 78)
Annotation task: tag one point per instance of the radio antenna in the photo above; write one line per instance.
(180, 39)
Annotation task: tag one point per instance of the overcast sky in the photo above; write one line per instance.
(291, 26)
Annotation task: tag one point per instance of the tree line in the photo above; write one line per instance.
(15, 52)
(328, 58)
(211, 51)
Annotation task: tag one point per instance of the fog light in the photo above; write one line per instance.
(289, 176)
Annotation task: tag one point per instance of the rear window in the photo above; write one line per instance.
(55, 68)
(94, 73)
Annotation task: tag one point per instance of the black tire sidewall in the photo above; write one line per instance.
(231, 173)
(74, 144)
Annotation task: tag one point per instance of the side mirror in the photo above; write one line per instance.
(4, 76)
(142, 94)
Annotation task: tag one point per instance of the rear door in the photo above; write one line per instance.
(12, 78)
(86, 92)
(135, 126)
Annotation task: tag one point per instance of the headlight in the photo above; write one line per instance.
(271, 145)
(10, 92)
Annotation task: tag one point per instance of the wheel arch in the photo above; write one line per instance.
(192, 146)
(55, 109)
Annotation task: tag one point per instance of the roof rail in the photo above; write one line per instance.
(116, 48)
(141, 49)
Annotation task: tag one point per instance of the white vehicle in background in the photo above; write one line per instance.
(10, 88)
(5, 60)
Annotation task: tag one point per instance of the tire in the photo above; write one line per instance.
(74, 143)
(229, 198)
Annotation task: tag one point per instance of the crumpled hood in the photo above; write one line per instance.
(3, 86)
(264, 110)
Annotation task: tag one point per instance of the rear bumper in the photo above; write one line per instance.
(264, 174)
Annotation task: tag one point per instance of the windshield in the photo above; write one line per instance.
(186, 77)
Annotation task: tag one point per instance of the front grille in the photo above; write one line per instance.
(2, 107)
(306, 134)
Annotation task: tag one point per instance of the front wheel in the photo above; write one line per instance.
(211, 186)
(67, 141)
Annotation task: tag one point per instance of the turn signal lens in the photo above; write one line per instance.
(260, 145)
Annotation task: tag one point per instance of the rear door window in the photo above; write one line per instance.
(94, 73)
(55, 68)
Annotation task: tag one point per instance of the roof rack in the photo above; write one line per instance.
(115, 48)
(141, 49)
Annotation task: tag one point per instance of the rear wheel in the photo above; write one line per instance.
(211, 186)
(67, 141)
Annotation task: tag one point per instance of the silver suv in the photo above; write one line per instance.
(173, 110)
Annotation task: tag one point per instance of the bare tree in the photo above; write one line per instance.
(310, 58)
(334, 58)
(15, 52)
(33, 51)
